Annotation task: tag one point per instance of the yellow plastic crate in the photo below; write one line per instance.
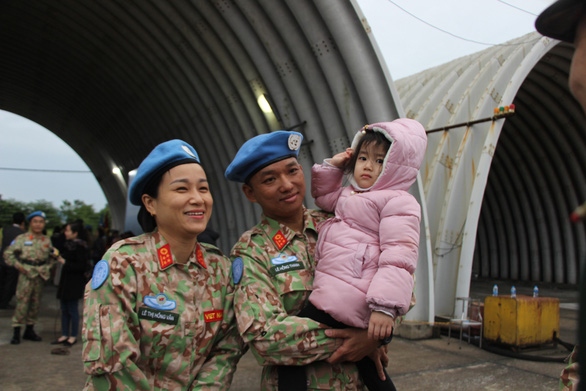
(521, 321)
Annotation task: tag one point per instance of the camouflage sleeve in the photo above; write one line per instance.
(569, 378)
(218, 370)
(111, 330)
(12, 254)
(274, 337)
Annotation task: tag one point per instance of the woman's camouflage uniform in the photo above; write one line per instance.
(157, 325)
(30, 254)
(276, 282)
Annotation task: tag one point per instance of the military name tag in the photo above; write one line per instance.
(158, 315)
(286, 267)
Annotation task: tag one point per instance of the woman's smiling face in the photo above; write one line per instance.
(184, 203)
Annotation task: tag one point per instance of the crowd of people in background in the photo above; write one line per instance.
(30, 260)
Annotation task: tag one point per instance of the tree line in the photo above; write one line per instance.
(56, 217)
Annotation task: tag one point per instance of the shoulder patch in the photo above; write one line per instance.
(100, 275)
(237, 270)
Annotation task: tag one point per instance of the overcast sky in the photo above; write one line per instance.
(412, 35)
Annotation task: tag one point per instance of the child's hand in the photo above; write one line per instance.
(339, 160)
(380, 325)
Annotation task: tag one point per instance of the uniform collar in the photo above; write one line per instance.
(165, 258)
(280, 234)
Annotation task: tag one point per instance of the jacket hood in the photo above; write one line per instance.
(404, 157)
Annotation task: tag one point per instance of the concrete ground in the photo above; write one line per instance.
(431, 364)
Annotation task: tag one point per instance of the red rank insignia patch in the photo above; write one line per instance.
(280, 240)
(199, 256)
(213, 316)
(165, 257)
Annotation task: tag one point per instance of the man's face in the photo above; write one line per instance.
(577, 79)
(279, 189)
(37, 225)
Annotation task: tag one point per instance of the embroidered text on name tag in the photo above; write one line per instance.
(158, 315)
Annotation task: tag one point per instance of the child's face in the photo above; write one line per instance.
(369, 164)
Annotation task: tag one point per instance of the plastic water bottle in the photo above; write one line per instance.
(495, 290)
(513, 291)
(535, 291)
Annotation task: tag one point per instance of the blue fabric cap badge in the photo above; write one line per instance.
(160, 302)
(283, 258)
(101, 271)
(237, 270)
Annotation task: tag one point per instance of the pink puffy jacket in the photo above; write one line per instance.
(366, 255)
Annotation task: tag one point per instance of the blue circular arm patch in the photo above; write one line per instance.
(237, 270)
(101, 271)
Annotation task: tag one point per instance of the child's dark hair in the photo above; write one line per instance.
(369, 138)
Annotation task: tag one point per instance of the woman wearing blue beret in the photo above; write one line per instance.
(158, 311)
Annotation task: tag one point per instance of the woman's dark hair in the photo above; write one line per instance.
(370, 138)
(77, 226)
(146, 221)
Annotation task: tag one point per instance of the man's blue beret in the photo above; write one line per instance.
(164, 157)
(35, 214)
(262, 150)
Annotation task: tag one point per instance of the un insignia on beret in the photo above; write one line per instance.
(294, 142)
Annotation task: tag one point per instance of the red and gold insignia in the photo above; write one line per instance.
(199, 256)
(213, 316)
(165, 257)
(280, 240)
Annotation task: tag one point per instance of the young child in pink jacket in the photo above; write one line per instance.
(367, 253)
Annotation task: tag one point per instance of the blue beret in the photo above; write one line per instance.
(164, 157)
(35, 214)
(262, 150)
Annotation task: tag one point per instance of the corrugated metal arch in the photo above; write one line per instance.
(114, 78)
(499, 193)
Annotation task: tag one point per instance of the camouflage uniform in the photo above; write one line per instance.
(30, 254)
(570, 374)
(276, 282)
(158, 325)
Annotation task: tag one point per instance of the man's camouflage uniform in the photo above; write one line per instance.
(155, 324)
(569, 378)
(30, 254)
(276, 282)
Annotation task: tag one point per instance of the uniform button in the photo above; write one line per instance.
(263, 333)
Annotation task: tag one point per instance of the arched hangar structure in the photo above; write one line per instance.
(499, 192)
(114, 78)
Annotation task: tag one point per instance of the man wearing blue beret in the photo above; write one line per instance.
(273, 263)
(32, 255)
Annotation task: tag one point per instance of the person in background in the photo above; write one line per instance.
(33, 256)
(74, 259)
(209, 236)
(566, 20)
(273, 264)
(158, 311)
(57, 237)
(8, 274)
